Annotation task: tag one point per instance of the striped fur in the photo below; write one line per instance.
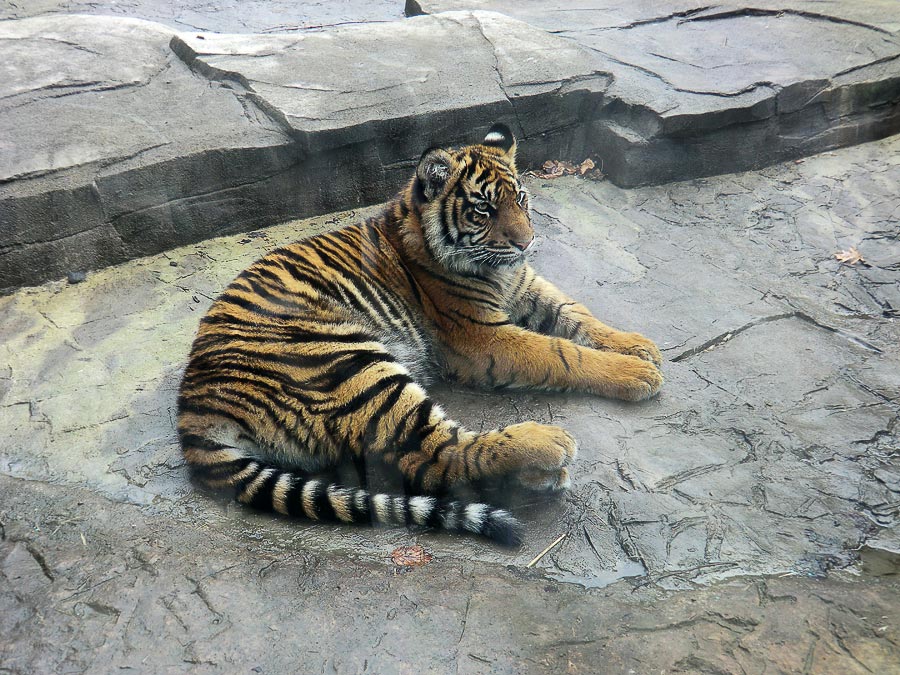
(318, 353)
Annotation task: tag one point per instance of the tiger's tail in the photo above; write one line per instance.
(268, 488)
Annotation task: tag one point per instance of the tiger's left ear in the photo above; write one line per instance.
(434, 172)
(501, 136)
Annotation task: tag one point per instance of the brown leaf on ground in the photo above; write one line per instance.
(850, 257)
(589, 169)
(411, 556)
(554, 168)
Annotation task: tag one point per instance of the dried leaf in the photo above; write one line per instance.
(411, 556)
(850, 257)
(554, 168)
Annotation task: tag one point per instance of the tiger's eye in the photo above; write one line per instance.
(522, 198)
(481, 207)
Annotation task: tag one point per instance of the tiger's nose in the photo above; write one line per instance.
(522, 245)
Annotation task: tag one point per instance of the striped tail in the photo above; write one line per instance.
(268, 488)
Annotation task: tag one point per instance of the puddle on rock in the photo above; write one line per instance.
(625, 569)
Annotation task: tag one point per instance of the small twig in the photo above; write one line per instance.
(547, 550)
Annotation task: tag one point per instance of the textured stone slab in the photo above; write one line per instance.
(771, 448)
(591, 15)
(396, 84)
(111, 147)
(699, 90)
(94, 586)
(223, 16)
(121, 138)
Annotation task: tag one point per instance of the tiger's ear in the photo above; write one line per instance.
(501, 136)
(433, 172)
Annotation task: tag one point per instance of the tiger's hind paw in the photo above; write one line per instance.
(545, 481)
(541, 446)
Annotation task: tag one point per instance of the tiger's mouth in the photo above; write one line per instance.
(499, 257)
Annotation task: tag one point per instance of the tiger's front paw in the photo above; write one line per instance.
(635, 344)
(630, 378)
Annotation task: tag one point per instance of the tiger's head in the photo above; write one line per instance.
(475, 213)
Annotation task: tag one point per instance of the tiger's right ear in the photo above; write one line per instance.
(434, 171)
(501, 136)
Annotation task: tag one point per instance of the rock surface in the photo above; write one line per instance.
(399, 92)
(437, 72)
(769, 450)
(223, 16)
(770, 456)
(700, 90)
(121, 138)
(111, 148)
(116, 148)
(90, 585)
(593, 15)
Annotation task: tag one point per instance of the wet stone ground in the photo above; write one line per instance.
(697, 525)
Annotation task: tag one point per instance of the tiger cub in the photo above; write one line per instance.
(316, 354)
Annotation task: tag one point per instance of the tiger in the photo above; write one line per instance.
(320, 351)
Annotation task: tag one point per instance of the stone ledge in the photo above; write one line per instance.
(121, 137)
(107, 140)
(146, 139)
(698, 90)
(392, 108)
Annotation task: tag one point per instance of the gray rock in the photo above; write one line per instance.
(699, 90)
(122, 150)
(592, 15)
(224, 16)
(112, 148)
(121, 138)
(770, 449)
(133, 593)
(393, 89)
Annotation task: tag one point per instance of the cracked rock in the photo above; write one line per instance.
(771, 448)
(699, 89)
(259, 128)
(131, 138)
